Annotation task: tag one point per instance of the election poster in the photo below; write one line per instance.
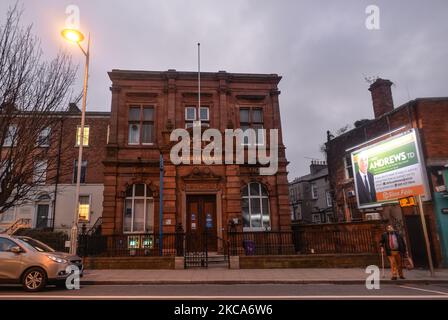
(389, 170)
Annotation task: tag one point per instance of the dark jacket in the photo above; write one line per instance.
(385, 243)
(364, 195)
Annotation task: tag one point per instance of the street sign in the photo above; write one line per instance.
(407, 202)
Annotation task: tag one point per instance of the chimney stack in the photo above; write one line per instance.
(317, 165)
(381, 97)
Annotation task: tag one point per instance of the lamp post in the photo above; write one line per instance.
(77, 37)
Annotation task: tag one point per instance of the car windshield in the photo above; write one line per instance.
(36, 245)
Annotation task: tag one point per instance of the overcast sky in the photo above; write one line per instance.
(321, 48)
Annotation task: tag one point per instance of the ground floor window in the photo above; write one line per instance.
(84, 208)
(255, 207)
(138, 209)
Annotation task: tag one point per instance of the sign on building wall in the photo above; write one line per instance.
(389, 170)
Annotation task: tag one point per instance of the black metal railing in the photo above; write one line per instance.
(261, 243)
(96, 228)
(224, 249)
(195, 248)
(147, 244)
(335, 241)
(18, 224)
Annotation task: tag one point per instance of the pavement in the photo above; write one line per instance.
(253, 276)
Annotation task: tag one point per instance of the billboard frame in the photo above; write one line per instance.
(420, 158)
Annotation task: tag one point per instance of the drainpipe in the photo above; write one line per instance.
(58, 167)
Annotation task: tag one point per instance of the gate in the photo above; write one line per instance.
(196, 253)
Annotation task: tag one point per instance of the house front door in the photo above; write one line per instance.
(42, 216)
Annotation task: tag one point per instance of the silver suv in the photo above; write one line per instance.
(33, 264)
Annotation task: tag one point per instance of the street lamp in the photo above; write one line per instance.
(77, 37)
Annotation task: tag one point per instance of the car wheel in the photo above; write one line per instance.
(34, 279)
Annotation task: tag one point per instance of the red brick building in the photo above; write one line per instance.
(146, 107)
(429, 116)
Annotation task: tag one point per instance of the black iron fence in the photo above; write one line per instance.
(339, 238)
(147, 244)
(261, 243)
(311, 239)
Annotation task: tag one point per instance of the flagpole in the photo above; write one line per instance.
(199, 84)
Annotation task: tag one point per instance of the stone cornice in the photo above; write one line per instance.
(117, 74)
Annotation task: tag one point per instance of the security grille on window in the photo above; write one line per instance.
(85, 138)
(138, 209)
(255, 207)
(83, 171)
(141, 125)
(252, 118)
(190, 116)
(43, 139)
(84, 208)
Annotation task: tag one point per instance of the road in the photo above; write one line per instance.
(234, 291)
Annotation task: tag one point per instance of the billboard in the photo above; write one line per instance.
(389, 170)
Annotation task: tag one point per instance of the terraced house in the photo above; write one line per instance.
(50, 204)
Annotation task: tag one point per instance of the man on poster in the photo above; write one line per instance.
(365, 180)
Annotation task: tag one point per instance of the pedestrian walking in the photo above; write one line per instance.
(393, 244)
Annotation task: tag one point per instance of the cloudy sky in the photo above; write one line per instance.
(321, 48)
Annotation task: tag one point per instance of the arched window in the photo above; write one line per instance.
(255, 207)
(138, 209)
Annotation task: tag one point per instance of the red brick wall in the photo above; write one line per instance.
(94, 153)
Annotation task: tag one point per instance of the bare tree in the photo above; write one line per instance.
(33, 92)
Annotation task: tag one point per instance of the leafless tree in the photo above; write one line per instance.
(33, 93)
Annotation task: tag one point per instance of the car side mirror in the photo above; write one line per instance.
(16, 250)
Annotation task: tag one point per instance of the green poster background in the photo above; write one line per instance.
(409, 148)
